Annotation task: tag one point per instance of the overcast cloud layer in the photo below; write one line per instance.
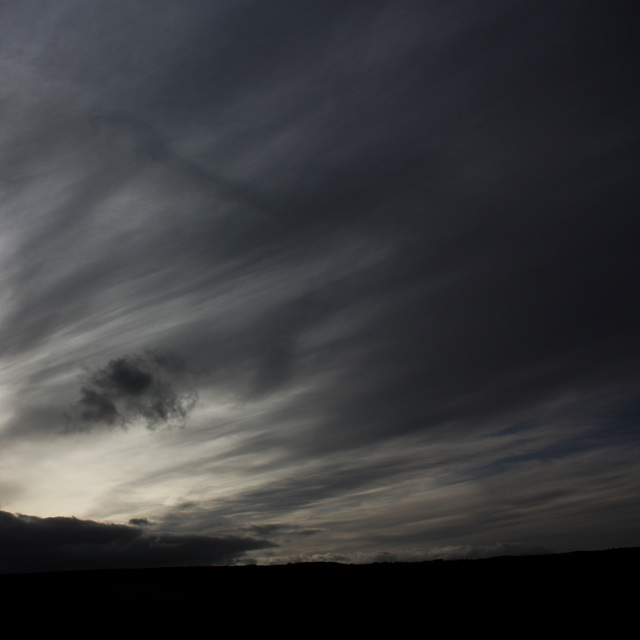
(332, 279)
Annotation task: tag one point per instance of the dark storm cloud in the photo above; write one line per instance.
(132, 388)
(30, 544)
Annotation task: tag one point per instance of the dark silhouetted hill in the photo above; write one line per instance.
(562, 590)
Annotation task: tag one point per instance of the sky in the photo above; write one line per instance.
(297, 280)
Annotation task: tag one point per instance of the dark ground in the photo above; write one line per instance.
(586, 590)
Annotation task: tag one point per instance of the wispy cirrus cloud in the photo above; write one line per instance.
(395, 241)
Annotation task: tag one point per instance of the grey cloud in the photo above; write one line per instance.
(132, 388)
(139, 522)
(515, 485)
(148, 146)
(32, 544)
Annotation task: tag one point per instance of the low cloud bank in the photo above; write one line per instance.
(32, 544)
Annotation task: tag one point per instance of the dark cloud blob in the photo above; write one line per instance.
(133, 388)
(29, 544)
(139, 522)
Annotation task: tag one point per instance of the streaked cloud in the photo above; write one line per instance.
(390, 247)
